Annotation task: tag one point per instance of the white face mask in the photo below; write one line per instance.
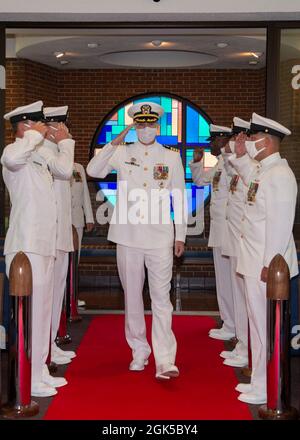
(251, 148)
(146, 135)
(232, 146)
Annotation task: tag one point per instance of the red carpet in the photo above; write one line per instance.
(101, 386)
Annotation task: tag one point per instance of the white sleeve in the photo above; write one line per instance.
(179, 200)
(87, 206)
(199, 175)
(280, 198)
(244, 166)
(60, 163)
(15, 155)
(104, 162)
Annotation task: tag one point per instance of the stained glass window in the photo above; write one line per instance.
(183, 125)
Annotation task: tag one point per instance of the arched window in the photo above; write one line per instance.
(183, 125)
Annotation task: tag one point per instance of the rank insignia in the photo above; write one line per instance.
(253, 188)
(160, 172)
(132, 162)
(216, 180)
(233, 183)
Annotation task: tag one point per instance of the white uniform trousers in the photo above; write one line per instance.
(42, 297)
(60, 278)
(224, 289)
(257, 310)
(131, 266)
(80, 235)
(240, 309)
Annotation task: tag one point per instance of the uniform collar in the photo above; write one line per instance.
(275, 157)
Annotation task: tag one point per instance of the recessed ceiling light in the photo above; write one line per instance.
(256, 54)
(59, 54)
(253, 62)
(156, 43)
(62, 62)
(222, 45)
(92, 45)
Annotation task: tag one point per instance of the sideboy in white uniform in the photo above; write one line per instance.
(267, 226)
(234, 214)
(58, 152)
(32, 226)
(148, 172)
(219, 180)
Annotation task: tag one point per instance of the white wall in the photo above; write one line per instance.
(148, 10)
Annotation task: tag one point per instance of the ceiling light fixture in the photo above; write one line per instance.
(156, 43)
(253, 62)
(63, 62)
(222, 45)
(256, 54)
(59, 54)
(92, 45)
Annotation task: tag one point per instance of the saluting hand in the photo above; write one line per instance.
(62, 133)
(40, 127)
(240, 149)
(179, 248)
(198, 154)
(120, 138)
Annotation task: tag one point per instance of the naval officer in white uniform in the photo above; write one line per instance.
(267, 226)
(147, 172)
(82, 213)
(32, 226)
(219, 180)
(58, 151)
(234, 214)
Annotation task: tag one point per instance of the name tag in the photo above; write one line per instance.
(160, 172)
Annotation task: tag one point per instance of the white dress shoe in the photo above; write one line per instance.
(60, 360)
(236, 361)
(253, 398)
(138, 364)
(57, 350)
(54, 382)
(81, 303)
(40, 389)
(228, 354)
(166, 372)
(243, 387)
(221, 334)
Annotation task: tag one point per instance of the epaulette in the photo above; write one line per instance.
(176, 150)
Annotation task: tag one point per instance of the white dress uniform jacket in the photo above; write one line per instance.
(219, 180)
(60, 160)
(269, 213)
(32, 226)
(149, 168)
(82, 212)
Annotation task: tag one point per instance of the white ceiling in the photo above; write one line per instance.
(148, 10)
(133, 48)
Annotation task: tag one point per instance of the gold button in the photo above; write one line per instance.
(242, 236)
(146, 153)
(145, 184)
(145, 169)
